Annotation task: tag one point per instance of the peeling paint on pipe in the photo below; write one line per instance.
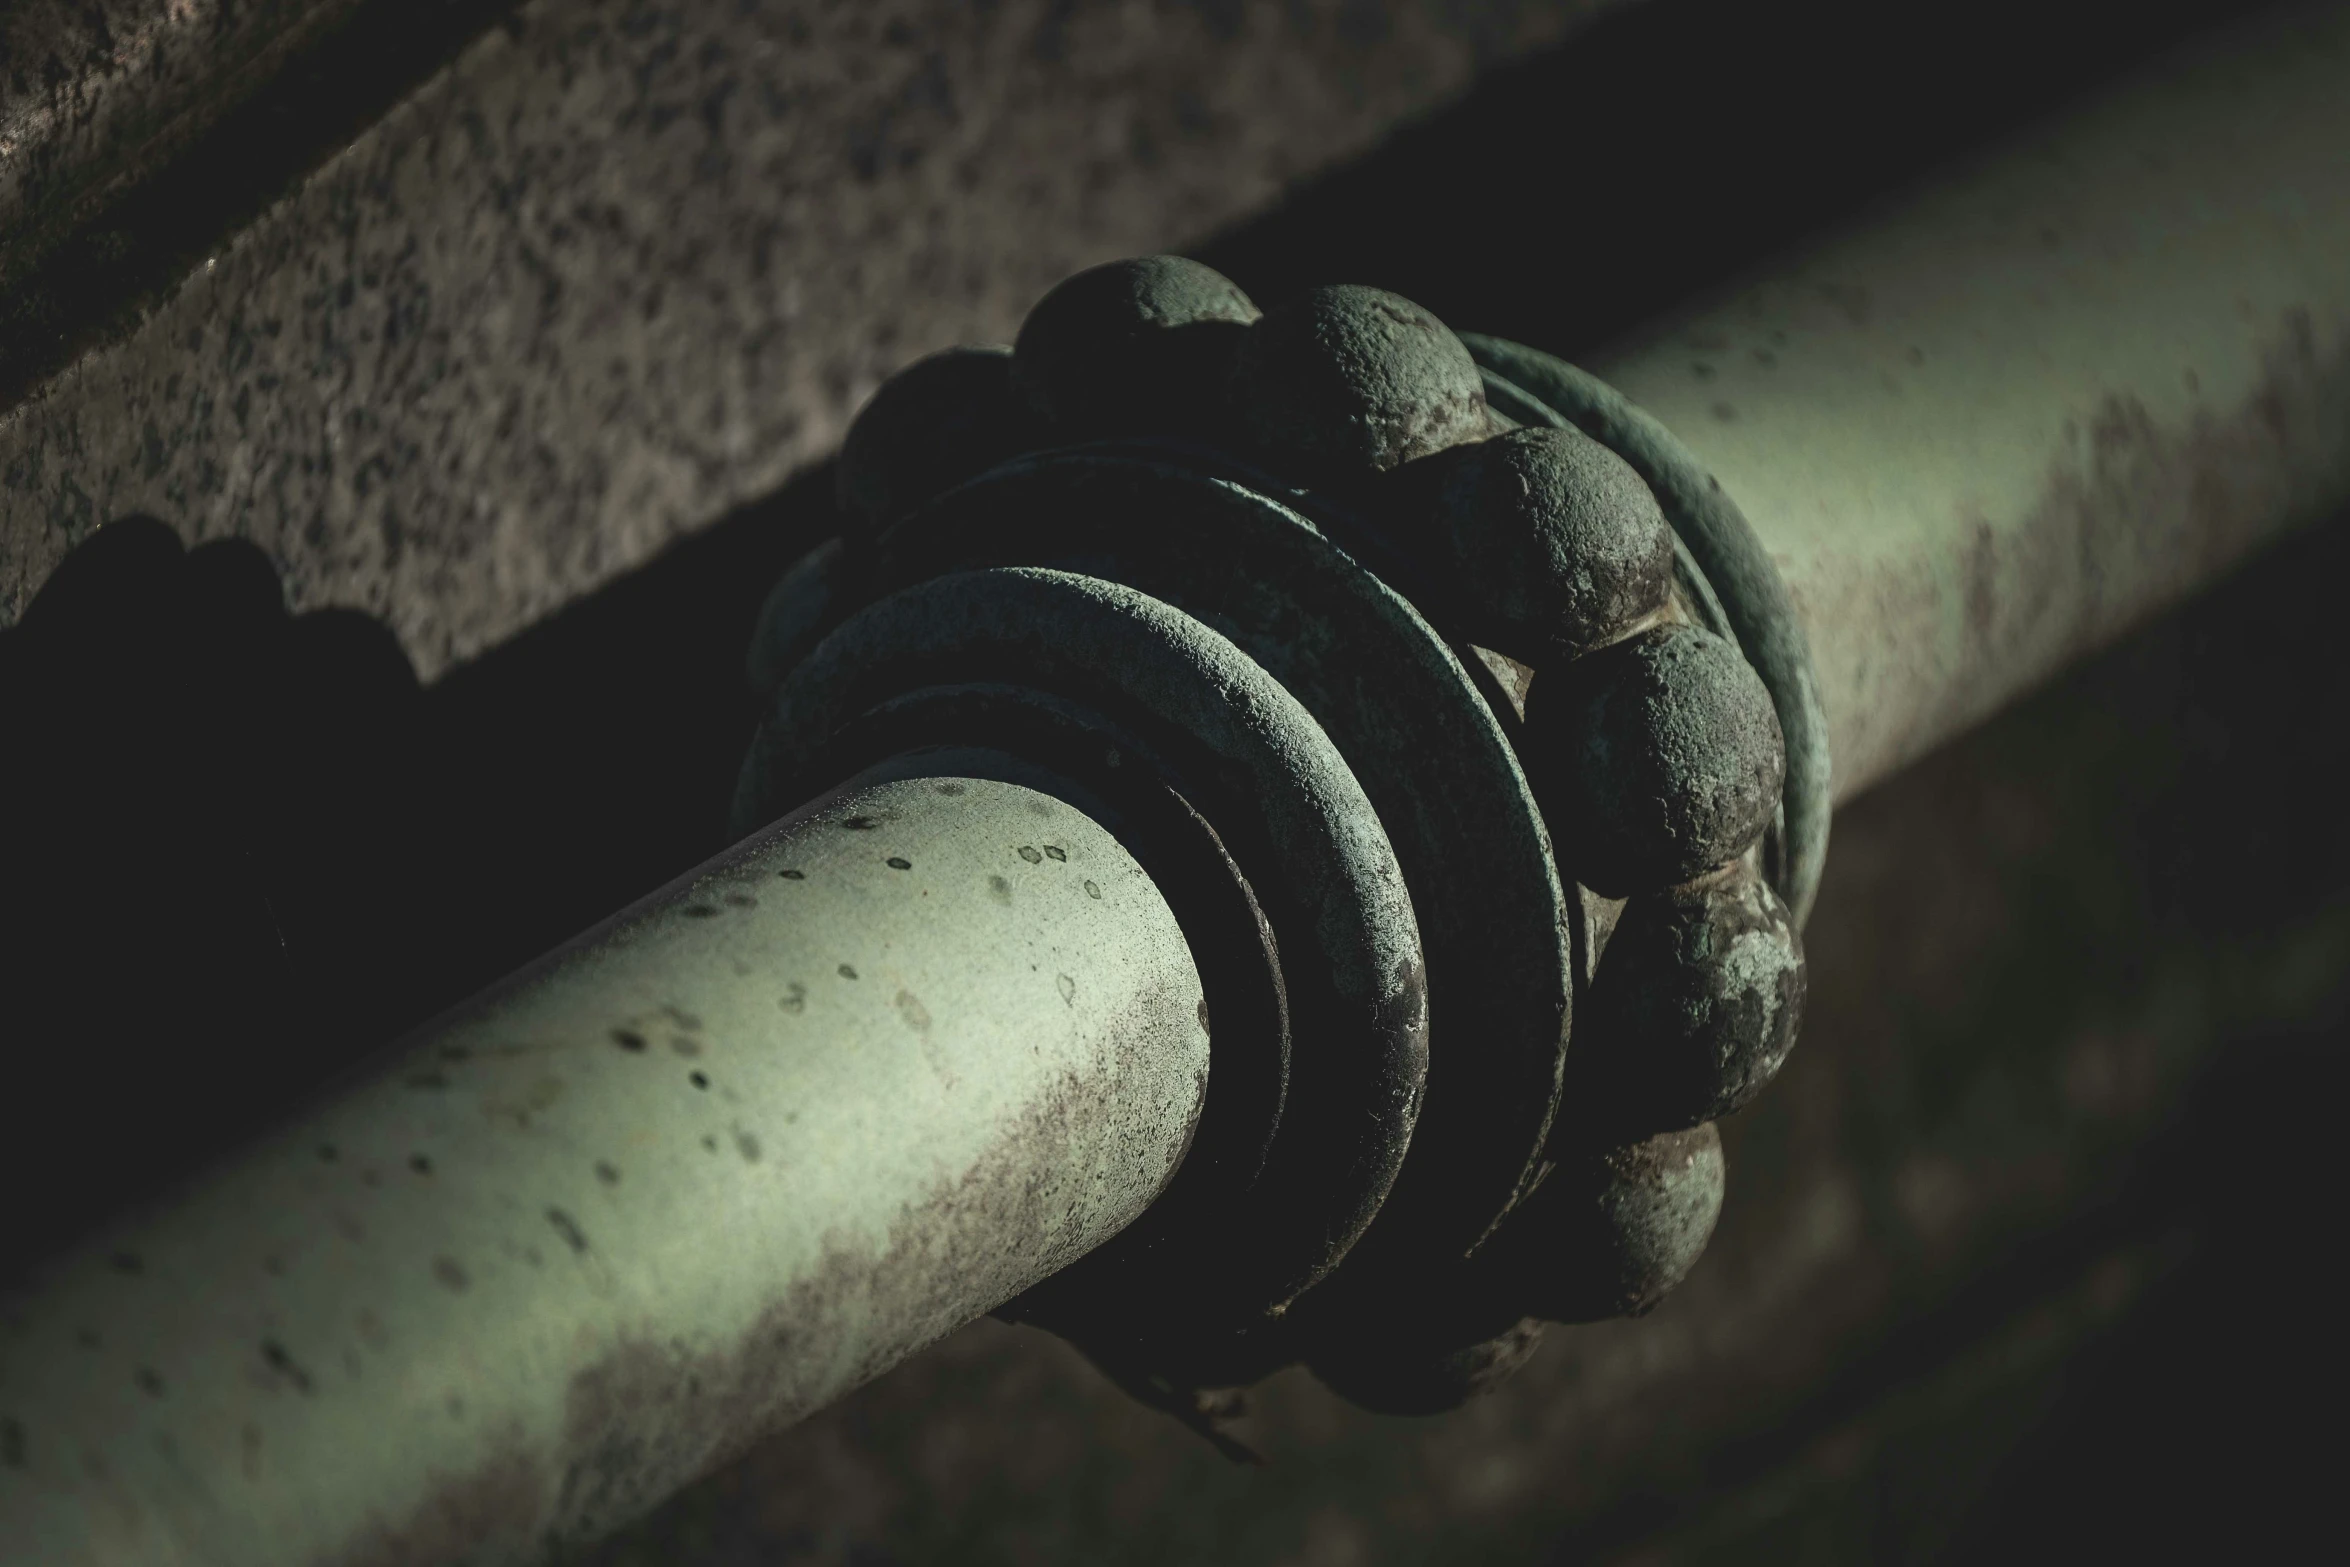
(2006, 421)
(742, 1148)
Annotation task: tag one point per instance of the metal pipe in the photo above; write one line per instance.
(2021, 412)
(541, 1268)
(745, 1146)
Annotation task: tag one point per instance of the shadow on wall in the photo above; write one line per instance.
(244, 848)
(207, 860)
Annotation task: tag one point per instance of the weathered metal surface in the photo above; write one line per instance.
(728, 1156)
(1726, 579)
(942, 419)
(1611, 1233)
(1431, 759)
(2030, 950)
(1547, 544)
(2013, 416)
(1199, 533)
(1138, 346)
(1273, 785)
(1658, 756)
(1345, 381)
(1024, 736)
(1693, 1011)
(617, 270)
(2312, 419)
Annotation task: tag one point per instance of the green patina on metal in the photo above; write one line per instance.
(710, 1166)
(1737, 586)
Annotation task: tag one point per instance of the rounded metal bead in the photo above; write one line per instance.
(939, 421)
(1657, 758)
(1410, 1377)
(1552, 544)
(1611, 1234)
(1355, 381)
(1140, 346)
(798, 610)
(1695, 1006)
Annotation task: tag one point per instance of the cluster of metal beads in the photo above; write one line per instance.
(1654, 749)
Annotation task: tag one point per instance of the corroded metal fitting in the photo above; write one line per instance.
(1421, 671)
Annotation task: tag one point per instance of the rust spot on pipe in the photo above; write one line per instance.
(500, 1500)
(567, 1227)
(283, 1365)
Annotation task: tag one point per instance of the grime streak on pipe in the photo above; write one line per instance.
(2009, 418)
(849, 1085)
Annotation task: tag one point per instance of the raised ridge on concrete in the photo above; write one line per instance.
(613, 272)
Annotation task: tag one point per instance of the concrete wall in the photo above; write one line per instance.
(619, 268)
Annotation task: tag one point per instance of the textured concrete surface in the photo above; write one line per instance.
(91, 94)
(622, 267)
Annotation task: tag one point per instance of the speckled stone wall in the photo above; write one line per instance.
(89, 93)
(624, 266)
